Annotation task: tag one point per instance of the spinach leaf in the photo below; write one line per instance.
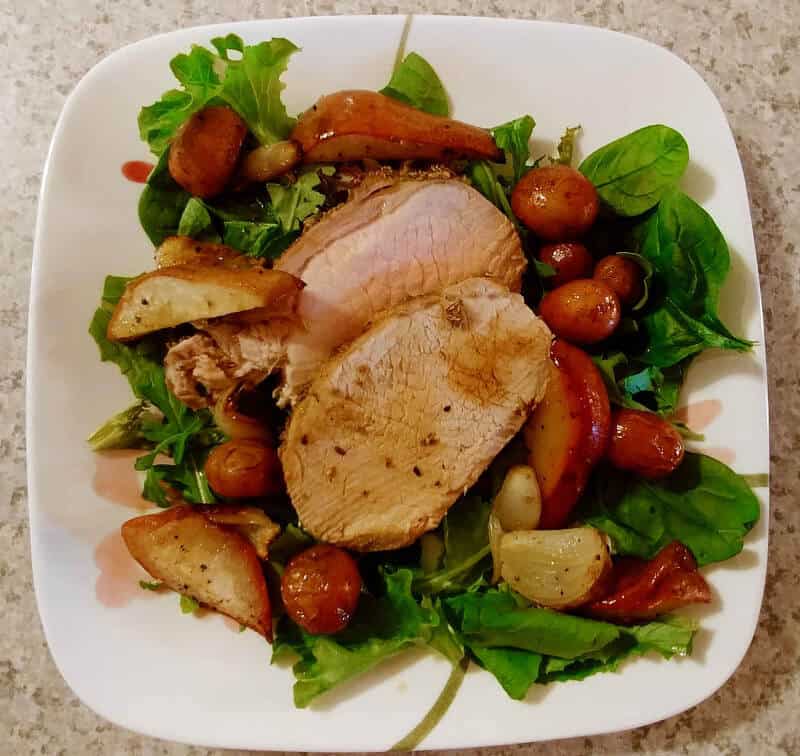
(513, 138)
(647, 277)
(177, 431)
(485, 179)
(691, 260)
(415, 83)
(466, 549)
(250, 84)
(703, 504)
(381, 628)
(566, 145)
(162, 203)
(196, 221)
(257, 239)
(632, 173)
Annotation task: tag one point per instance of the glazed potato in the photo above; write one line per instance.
(570, 260)
(194, 556)
(644, 443)
(270, 161)
(558, 569)
(251, 522)
(204, 153)
(183, 293)
(556, 202)
(359, 124)
(244, 469)
(320, 588)
(584, 311)
(622, 276)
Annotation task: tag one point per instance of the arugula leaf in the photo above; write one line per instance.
(251, 85)
(257, 239)
(632, 173)
(513, 138)
(703, 504)
(162, 203)
(691, 260)
(466, 549)
(178, 432)
(294, 203)
(415, 83)
(381, 628)
(566, 145)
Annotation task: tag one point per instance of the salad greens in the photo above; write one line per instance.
(250, 84)
(165, 426)
(703, 504)
(632, 173)
(415, 83)
(437, 594)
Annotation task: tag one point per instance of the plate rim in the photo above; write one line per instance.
(32, 369)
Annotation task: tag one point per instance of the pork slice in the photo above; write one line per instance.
(395, 239)
(404, 420)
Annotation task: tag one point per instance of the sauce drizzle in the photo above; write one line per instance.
(137, 171)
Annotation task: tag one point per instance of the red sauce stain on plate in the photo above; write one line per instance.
(137, 171)
(118, 582)
(115, 479)
(699, 415)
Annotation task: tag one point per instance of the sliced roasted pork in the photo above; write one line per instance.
(392, 241)
(403, 421)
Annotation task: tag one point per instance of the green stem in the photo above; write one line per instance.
(437, 711)
(436, 582)
(756, 480)
(401, 48)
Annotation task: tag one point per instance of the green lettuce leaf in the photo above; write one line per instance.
(703, 504)
(293, 203)
(250, 84)
(632, 173)
(415, 83)
(566, 145)
(381, 628)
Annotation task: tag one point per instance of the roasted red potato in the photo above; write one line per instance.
(244, 469)
(640, 590)
(197, 557)
(621, 275)
(644, 443)
(320, 588)
(567, 434)
(359, 124)
(204, 153)
(556, 202)
(570, 260)
(584, 311)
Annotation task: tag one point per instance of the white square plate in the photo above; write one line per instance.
(130, 654)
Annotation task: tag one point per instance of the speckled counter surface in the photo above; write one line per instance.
(748, 52)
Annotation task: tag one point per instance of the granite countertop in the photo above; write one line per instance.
(748, 52)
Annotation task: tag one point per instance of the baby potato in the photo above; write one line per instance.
(204, 153)
(556, 202)
(570, 260)
(320, 588)
(244, 469)
(584, 311)
(644, 443)
(622, 276)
